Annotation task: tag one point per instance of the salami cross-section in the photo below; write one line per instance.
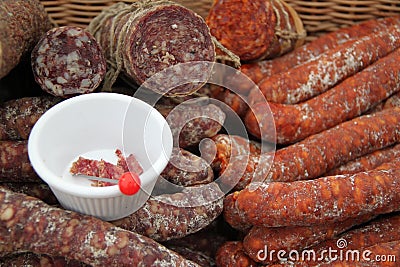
(147, 37)
(68, 61)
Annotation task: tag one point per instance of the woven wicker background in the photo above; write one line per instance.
(318, 16)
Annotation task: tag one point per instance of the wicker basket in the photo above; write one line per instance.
(318, 16)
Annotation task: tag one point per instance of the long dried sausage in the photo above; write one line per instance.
(176, 215)
(314, 156)
(68, 61)
(324, 200)
(18, 116)
(316, 76)
(262, 69)
(367, 162)
(38, 190)
(147, 37)
(29, 225)
(349, 99)
(22, 23)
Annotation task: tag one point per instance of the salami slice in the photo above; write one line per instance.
(22, 23)
(67, 61)
(147, 37)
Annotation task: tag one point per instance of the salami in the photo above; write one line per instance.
(171, 216)
(316, 76)
(22, 22)
(350, 98)
(368, 162)
(14, 162)
(147, 37)
(68, 61)
(18, 116)
(320, 201)
(257, 71)
(232, 254)
(30, 225)
(275, 27)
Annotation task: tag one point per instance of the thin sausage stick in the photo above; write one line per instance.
(347, 100)
(266, 68)
(315, 155)
(316, 76)
(325, 200)
(367, 162)
(28, 224)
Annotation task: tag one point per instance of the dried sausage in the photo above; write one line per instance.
(276, 27)
(22, 23)
(262, 69)
(18, 116)
(30, 225)
(35, 260)
(194, 120)
(232, 254)
(367, 162)
(14, 162)
(170, 216)
(38, 190)
(347, 100)
(324, 200)
(187, 169)
(316, 76)
(68, 61)
(147, 37)
(314, 156)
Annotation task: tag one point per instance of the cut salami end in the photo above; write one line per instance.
(149, 37)
(68, 61)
